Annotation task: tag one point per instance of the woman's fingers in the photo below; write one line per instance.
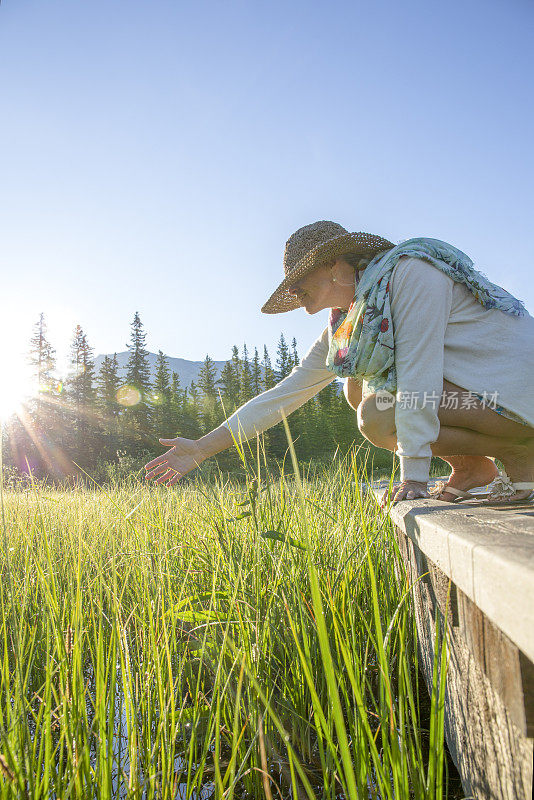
(406, 491)
(167, 442)
(409, 494)
(175, 478)
(165, 477)
(159, 460)
(157, 470)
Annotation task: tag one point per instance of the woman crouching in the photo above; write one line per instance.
(437, 360)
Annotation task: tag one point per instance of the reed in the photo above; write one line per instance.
(221, 640)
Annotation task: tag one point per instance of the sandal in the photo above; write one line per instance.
(441, 487)
(502, 487)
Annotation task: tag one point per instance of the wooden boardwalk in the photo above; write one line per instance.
(487, 557)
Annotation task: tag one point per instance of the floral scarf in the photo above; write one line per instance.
(362, 338)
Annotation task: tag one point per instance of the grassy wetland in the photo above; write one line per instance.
(226, 639)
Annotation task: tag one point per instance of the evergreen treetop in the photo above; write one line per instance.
(230, 387)
(246, 377)
(257, 376)
(162, 379)
(138, 367)
(80, 382)
(268, 372)
(207, 378)
(294, 354)
(108, 382)
(284, 363)
(41, 355)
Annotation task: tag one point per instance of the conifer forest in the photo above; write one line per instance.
(103, 425)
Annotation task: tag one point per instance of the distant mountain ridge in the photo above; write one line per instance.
(187, 370)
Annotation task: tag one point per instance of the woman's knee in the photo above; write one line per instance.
(376, 421)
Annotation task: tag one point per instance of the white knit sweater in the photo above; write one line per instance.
(440, 331)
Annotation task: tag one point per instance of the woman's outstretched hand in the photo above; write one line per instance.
(408, 490)
(184, 456)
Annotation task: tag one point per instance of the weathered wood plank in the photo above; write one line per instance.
(488, 554)
(470, 556)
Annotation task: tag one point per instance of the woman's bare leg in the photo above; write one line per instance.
(469, 465)
(467, 437)
(467, 472)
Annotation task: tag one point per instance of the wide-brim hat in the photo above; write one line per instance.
(311, 247)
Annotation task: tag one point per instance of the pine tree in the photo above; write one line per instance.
(81, 397)
(138, 377)
(246, 377)
(108, 382)
(207, 383)
(191, 422)
(229, 387)
(230, 383)
(193, 393)
(138, 367)
(45, 424)
(268, 372)
(176, 404)
(176, 392)
(257, 377)
(283, 359)
(207, 378)
(41, 356)
(80, 382)
(161, 386)
(236, 361)
(294, 354)
(160, 399)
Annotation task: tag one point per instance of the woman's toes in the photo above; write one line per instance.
(523, 494)
(447, 497)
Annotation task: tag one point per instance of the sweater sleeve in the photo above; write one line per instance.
(306, 380)
(421, 300)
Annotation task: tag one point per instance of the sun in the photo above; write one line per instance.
(16, 388)
(10, 403)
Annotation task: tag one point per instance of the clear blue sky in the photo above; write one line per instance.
(156, 156)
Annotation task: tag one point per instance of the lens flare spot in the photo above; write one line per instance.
(128, 396)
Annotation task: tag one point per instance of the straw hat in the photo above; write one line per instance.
(309, 248)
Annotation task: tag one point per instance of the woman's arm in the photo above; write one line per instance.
(260, 413)
(421, 300)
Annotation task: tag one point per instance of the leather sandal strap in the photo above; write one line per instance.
(457, 492)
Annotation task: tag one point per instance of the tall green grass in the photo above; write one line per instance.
(219, 640)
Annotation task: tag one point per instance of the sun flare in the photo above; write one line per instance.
(16, 389)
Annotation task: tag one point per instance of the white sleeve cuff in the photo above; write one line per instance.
(414, 469)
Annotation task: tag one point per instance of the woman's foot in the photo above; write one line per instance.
(518, 463)
(467, 472)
